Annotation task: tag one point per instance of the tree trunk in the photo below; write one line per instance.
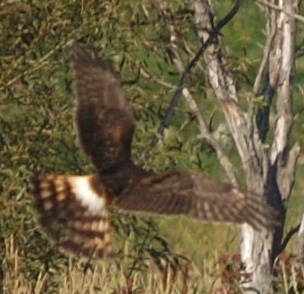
(269, 170)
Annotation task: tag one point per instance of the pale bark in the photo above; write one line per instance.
(269, 170)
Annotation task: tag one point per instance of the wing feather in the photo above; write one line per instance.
(193, 194)
(104, 118)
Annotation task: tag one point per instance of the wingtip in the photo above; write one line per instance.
(270, 222)
(89, 56)
(79, 53)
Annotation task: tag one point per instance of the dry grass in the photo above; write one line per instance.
(220, 274)
(14, 270)
(105, 277)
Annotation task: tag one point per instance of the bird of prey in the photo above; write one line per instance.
(74, 209)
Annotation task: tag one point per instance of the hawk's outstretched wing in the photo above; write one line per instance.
(104, 118)
(73, 209)
(193, 194)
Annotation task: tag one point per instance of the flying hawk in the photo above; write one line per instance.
(74, 209)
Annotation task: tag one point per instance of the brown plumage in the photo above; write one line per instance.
(73, 209)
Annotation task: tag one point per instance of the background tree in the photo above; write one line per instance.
(155, 47)
(269, 167)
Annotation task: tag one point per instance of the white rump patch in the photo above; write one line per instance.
(84, 192)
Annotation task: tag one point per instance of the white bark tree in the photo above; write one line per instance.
(269, 169)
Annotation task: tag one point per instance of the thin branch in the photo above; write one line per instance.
(181, 89)
(229, 16)
(178, 91)
(204, 45)
(280, 9)
(288, 236)
(262, 84)
(38, 64)
(257, 87)
(206, 134)
(157, 80)
(203, 128)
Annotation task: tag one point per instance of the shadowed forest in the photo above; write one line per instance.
(155, 255)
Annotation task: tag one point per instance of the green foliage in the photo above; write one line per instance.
(36, 133)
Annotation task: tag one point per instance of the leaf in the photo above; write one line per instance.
(11, 113)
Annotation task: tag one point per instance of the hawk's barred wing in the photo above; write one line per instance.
(73, 213)
(104, 118)
(193, 194)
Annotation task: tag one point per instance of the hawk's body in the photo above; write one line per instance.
(74, 208)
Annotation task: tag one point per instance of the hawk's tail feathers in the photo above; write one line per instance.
(73, 214)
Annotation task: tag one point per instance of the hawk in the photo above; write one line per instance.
(74, 210)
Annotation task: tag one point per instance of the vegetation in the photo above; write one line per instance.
(36, 133)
